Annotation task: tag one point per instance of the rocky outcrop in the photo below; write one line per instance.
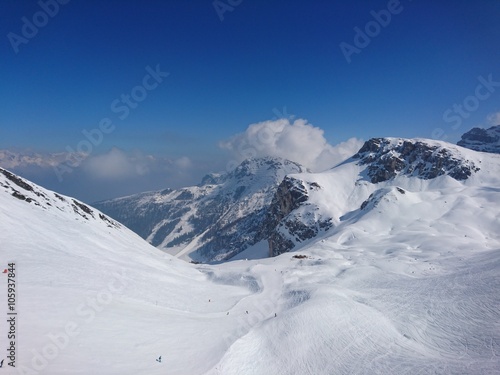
(376, 197)
(289, 195)
(287, 226)
(485, 140)
(268, 199)
(294, 219)
(387, 158)
(218, 218)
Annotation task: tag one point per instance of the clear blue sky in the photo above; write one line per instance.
(227, 74)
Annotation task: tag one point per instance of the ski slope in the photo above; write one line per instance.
(408, 285)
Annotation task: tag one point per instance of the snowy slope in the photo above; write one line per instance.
(125, 301)
(405, 278)
(213, 221)
(404, 182)
(407, 284)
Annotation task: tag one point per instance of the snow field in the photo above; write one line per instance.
(408, 285)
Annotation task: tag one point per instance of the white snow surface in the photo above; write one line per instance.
(410, 284)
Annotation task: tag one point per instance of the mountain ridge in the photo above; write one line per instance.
(226, 214)
(32, 194)
(215, 220)
(378, 174)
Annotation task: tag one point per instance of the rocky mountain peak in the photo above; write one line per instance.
(387, 158)
(212, 221)
(268, 165)
(273, 167)
(211, 179)
(485, 140)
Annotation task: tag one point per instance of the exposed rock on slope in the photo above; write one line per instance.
(306, 205)
(486, 140)
(275, 200)
(287, 229)
(388, 157)
(213, 221)
(34, 195)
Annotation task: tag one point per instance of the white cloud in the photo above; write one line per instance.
(297, 141)
(117, 172)
(114, 164)
(494, 119)
(183, 163)
(117, 164)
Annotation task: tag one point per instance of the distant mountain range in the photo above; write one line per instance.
(478, 139)
(11, 160)
(255, 208)
(277, 204)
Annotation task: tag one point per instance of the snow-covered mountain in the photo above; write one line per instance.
(404, 280)
(270, 206)
(388, 176)
(486, 140)
(215, 220)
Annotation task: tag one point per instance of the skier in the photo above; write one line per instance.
(159, 359)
